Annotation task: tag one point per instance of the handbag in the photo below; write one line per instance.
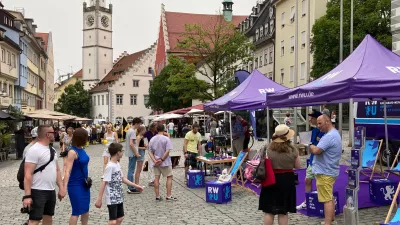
(269, 173)
(88, 180)
(259, 172)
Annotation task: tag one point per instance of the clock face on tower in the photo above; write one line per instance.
(105, 21)
(90, 20)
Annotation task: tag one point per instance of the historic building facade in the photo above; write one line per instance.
(260, 28)
(308, 11)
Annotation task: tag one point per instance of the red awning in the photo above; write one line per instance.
(185, 110)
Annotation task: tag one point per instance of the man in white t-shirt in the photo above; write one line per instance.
(171, 128)
(40, 194)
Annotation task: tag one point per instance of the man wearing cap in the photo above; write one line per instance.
(34, 136)
(326, 165)
(316, 135)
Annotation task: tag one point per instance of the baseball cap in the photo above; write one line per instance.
(34, 132)
(315, 114)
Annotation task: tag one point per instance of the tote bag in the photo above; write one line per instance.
(269, 173)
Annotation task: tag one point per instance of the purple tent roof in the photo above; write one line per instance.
(370, 72)
(242, 75)
(248, 95)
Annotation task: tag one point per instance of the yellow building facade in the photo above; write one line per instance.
(286, 43)
(60, 87)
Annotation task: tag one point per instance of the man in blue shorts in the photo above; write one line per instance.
(315, 137)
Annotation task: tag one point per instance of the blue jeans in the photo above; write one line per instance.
(131, 171)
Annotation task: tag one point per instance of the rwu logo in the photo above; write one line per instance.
(371, 108)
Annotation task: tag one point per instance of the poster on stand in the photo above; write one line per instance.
(359, 137)
(353, 180)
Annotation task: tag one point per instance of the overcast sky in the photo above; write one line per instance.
(135, 23)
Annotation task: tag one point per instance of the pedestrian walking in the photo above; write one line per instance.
(40, 193)
(149, 135)
(171, 126)
(238, 136)
(142, 151)
(112, 188)
(75, 178)
(111, 137)
(316, 136)
(280, 198)
(326, 165)
(132, 152)
(159, 149)
(192, 148)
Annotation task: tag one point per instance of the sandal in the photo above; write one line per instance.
(171, 198)
(158, 199)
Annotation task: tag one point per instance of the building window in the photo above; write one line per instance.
(119, 99)
(292, 44)
(257, 35)
(90, 54)
(303, 8)
(13, 61)
(90, 70)
(9, 58)
(261, 31)
(303, 39)
(10, 91)
(133, 99)
(256, 62)
(282, 48)
(150, 83)
(283, 19)
(98, 100)
(3, 55)
(270, 75)
(282, 76)
(271, 56)
(292, 14)
(146, 99)
(261, 61)
(107, 99)
(302, 71)
(94, 100)
(135, 83)
(291, 73)
(265, 57)
(102, 100)
(105, 71)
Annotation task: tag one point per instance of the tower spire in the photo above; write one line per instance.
(227, 10)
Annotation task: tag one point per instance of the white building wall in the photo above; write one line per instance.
(100, 105)
(124, 86)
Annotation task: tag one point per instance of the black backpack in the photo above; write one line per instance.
(21, 170)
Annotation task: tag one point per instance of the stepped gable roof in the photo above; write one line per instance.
(176, 22)
(119, 67)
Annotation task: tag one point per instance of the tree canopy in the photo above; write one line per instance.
(370, 17)
(74, 101)
(176, 86)
(218, 49)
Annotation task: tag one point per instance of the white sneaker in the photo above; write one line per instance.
(102, 177)
(332, 223)
(301, 206)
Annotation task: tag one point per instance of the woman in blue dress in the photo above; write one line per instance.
(75, 175)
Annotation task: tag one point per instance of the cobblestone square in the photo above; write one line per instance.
(190, 208)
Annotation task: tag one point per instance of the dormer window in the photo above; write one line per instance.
(257, 35)
(261, 31)
(266, 29)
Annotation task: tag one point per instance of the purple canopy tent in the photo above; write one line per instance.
(370, 72)
(251, 94)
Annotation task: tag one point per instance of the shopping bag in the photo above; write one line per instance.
(269, 174)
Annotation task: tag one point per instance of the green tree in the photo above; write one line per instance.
(74, 101)
(218, 49)
(370, 17)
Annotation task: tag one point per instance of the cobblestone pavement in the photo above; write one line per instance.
(190, 208)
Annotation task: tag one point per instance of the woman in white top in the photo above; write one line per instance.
(111, 137)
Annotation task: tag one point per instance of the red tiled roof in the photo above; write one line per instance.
(78, 74)
(45, 37)
(185, 110)
(176, 24)
(123, 64)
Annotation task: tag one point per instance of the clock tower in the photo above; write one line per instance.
(97, 51)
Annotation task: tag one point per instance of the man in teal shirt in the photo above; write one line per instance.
(316, 135)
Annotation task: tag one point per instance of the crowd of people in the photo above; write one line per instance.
(277, 199)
